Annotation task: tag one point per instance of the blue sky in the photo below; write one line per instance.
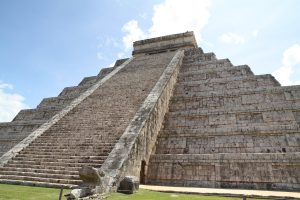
(51, 44)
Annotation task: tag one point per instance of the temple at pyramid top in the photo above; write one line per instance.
(165, 43)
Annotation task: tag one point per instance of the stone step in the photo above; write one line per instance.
(65, 153)
(193, 52)
(276, 129)
(206, 74)
(22, 115)
(39, 179)
(89, 81)
(63, 145)
(220, 107)
(32, 170)
(41, 175)
(248, 96)
(103, 152)
(78, 141)
(188, 120)
(73, 92)
(210, 56)
(43, 113)
(239, 148)
(66, 137)
(16, 130)
(59, 159)
(54, 103)
(67, 148)
(21, 123)
(212, 64)
(233, 82)
(70, 163)
(231, 170)
(107, 70)
(228, 143)
(262, 94)
(45, 167)
(41, 156)
(37, 183)
(215, 131)
(279, 158)
(50, 165)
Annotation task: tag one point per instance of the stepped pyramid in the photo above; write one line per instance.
(171, 115)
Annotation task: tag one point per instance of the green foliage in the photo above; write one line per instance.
(18, 192)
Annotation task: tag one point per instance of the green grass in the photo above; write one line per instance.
(151, 195)
(19, 192)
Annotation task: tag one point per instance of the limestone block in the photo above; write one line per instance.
(129, 185)
(292, 95)
(278, 116)
(245, 118)
(222, 119)
(91, 175)
(252, 99)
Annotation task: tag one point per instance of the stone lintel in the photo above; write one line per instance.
(165, 43)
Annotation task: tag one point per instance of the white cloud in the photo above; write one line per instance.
(133, 33)
(232, 38)
(254, 33)
(237, 39)
(10, 103)
(170, 17)
(175, 16)
(290, 61)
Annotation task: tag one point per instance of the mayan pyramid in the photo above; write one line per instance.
(171, 115)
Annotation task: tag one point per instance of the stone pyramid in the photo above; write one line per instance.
(171, 115)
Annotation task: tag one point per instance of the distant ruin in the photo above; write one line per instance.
(171, 115)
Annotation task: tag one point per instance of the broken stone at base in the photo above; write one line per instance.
(90, 175)
(129, 185)
(78, 193)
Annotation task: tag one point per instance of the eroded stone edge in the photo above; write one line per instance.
(44, 127)
(138, 140)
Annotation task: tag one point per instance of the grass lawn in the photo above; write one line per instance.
(19, 192)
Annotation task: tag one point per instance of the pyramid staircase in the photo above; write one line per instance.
(228, 128)
(28, 120)
(223, 127)
(87, 134)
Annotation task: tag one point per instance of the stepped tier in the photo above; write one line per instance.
(233, 170)
(227, 127)
(88, 133)
(28, 120)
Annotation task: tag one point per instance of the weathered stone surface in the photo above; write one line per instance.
(85, 132)
(79, 193)
(91, 175)
(138, 140)
(229, 128)
(171, 115)
(28, 120)
(165, 44)
(129, 185)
